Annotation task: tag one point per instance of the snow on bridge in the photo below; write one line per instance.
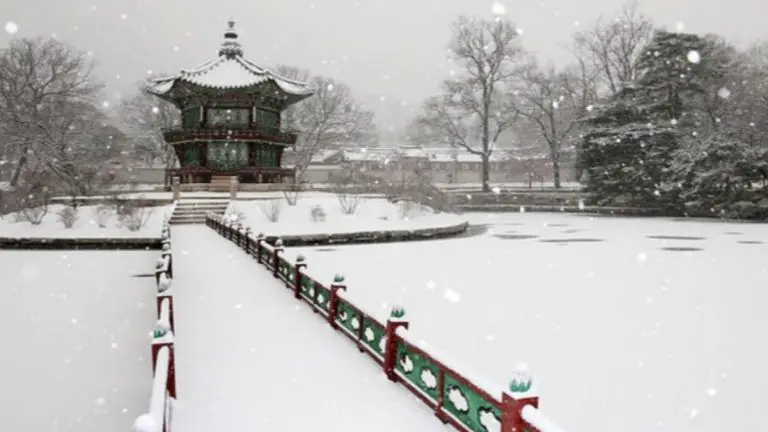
(248, 356)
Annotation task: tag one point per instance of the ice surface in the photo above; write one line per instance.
(269, 365)
(579, 313)
(76, 339)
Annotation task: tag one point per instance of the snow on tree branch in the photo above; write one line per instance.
(331, 118)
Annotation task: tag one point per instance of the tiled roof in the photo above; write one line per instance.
(230, 70)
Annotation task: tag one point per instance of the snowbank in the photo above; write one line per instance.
(371, 215)
(86, 225)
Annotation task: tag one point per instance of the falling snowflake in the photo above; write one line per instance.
(452, 296)
(431, 285)
(330, 87)
(694, 57)
(11, 28)
(679, 26)
(498, 8)
(712, 392)
(673, 122)
(124, 16)
(693, 413)
(642, 257)
(105, 104)
(155, 110)
(723, 93)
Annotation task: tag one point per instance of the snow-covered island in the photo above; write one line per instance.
(337, 215)
(59, 221)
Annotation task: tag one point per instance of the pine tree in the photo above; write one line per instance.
(629, 148)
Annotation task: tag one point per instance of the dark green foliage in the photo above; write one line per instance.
(644, 147)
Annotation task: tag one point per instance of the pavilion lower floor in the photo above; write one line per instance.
(196, 175)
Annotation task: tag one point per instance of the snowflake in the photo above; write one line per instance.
(694, 57)
(11, 28)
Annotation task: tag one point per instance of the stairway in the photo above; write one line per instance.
(220, 183)
(193, 211)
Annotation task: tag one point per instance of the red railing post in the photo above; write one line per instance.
(163, 337)
(396, 319)
(259, 239)
(247, 241)
(276, 258)
(300, 264)
(163, 292)
(515, 398)
(333, 302)
(439, 413)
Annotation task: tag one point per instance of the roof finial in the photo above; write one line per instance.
(231, 47)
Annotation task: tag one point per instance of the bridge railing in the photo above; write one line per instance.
(159, 417)
(455, 394)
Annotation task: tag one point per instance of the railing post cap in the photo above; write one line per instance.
(397, 313)
(300, 259)
(146, 423)
(279, 243)
(161, 329)
(522, 379)
(260, 236)
(338, 279)
(160, 263)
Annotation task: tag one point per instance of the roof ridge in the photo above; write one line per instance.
(203, 67)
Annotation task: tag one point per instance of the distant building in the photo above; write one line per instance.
(442, 165)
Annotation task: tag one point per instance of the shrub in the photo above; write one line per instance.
(34, 214)
(349, 202)
(135, 218)
(68, 216)
(271, 210)
(407, 209)
(291, 193)
(101, 215)
(234, 215)
(317, 213)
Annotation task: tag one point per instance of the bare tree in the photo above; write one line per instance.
(750, 106)
(74, 143)
(475, 106)
(147, 116)
(552, 101)
(614, 45)
(329, 119)
(36, 76)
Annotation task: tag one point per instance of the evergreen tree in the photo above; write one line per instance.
(630, 144)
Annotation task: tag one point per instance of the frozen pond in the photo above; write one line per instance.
(628, 324)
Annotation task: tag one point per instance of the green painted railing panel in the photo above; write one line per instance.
(307, 287)
(418, 370)
(373, 335)
(348, 317)
(469, 407)
(322, 297)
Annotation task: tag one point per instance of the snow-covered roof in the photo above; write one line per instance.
(230, 70)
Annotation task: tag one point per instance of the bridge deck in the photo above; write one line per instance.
(250, 357)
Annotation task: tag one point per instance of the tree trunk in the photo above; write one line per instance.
(486, 173)
(19, 167)
(556, 168)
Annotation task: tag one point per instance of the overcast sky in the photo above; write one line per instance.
(390, 52)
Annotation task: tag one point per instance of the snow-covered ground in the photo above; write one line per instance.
(620, 333)
(371, 214)
(251, 357)
(76, 339)
(86, 226)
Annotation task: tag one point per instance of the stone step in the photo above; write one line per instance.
(201, 206)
